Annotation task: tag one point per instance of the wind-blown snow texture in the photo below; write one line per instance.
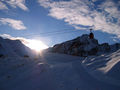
(53, 71)
(105, 67)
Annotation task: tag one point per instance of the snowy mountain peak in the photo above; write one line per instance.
(83, 46)
(84, 39)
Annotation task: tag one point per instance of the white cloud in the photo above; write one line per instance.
(86, 13)
(14, 4)
(17, 3)
(2, 6)
(15, 24)
(111, 8)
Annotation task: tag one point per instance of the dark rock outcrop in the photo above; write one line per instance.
(105, 47)
(83, 46)
(80, 46)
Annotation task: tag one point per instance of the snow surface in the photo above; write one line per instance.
(105, 67)
(22, 69)
(14, 48)
(50, 71)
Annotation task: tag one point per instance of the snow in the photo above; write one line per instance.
(49, 72)
(105, 67)
(84, 46)
(14, 48)
(53, 71)
(80, 46)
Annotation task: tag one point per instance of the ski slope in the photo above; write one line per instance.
(49, 71)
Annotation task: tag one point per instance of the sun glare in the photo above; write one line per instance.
(36, 45)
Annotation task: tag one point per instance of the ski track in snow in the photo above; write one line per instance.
(53, 72)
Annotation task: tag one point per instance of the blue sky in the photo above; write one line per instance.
(33, 19)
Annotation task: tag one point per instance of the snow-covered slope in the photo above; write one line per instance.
(53, 71)
(105, 67)
(14, 47)
(50, 71)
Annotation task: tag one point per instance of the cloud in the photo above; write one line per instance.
(99, 14)
(3, 6)
(13, 4)
(15, 24)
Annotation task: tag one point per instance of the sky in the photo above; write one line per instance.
(56, 21)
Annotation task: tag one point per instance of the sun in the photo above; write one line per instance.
(36, 45)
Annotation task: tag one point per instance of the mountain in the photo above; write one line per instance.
(83, 46)
(95, 70)
(53, 71)
(14, 47)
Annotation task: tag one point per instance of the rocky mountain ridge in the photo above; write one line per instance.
(83, 46)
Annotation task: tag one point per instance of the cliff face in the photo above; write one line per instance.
(83, 46)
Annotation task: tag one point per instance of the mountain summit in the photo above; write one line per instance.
(83, 46)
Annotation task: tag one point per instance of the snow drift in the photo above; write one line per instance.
(105, 67)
